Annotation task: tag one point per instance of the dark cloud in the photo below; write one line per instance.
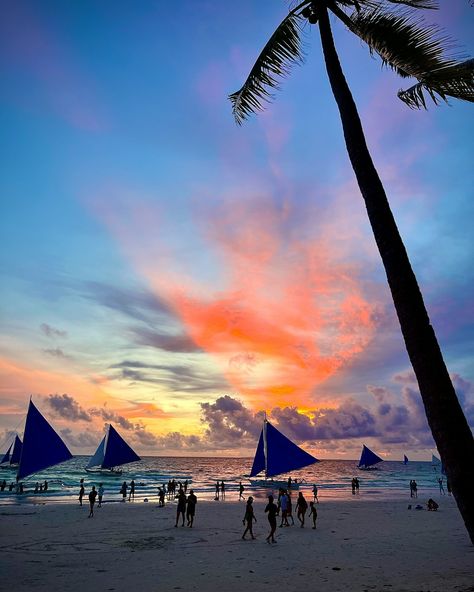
(174, 377)
(172, 343)
(138, 304)
(81, 440)
(56, 353)
(67, 407)
(50, 331)
(112, 416)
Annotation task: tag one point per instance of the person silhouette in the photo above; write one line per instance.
(272, 510)
(249, 517)
(302, 506)
(82, 491)
(92, 496)
(191, 508)
(181, 508)
(313, 513)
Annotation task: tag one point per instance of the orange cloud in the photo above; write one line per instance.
(287, 313)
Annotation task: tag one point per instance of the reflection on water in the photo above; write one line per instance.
(333, 478)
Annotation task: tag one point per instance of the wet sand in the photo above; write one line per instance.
(358, 546)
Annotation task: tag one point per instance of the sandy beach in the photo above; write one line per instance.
(358, 545)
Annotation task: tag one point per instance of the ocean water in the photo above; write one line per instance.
(333, 478)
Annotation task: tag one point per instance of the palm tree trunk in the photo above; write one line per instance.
(448, 424)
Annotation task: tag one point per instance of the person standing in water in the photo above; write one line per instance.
(272, 510)
(249, 517)
(222, 490)
(101, 493)
(123, 491)
(132, 490)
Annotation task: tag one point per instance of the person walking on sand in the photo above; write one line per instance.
(313, 513)
(289, 509)
(101, 493)
(272, 510)
(181, 508)
(249, 517)
(284, 509)
(191, 508)
(132, 490)
(241, 491)
(92, 496)
(302, 506)
(82, 491)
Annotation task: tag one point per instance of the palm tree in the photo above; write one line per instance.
(412, 49)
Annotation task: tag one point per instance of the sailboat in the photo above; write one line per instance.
(42, 447)
(436, 463)
(368, 459)
(277, 454)
(111, 452)
(11, 461)
(405, 459)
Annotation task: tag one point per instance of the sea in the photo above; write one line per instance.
(390, 480)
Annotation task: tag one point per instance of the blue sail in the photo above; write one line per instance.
(42, 447)
(405, 459)
(283, 455)
(98, 458)
(117, 451)
(6, 456)
(259, 460)
(16, 454)
(368, 458)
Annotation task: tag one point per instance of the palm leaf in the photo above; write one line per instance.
(456, 81)
(283, 49)
(427, 4)
(404, 43)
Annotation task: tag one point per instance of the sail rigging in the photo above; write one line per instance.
(368, 458)
(42, 447)
(112, 452)
(277, 454)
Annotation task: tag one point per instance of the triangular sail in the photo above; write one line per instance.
(16, 454)
(117, 451)
(97, 459)
(435, 461)
(405, 459)
(259, 460)
(6, 456)
(42, 447)
(283, 455)
(368, 458)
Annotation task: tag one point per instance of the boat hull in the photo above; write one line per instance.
(269, 484)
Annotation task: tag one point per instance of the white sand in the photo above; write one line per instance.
(358, 545)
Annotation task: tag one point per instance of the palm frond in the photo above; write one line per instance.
(456, 81)
(404, 43)
(283, 49)
(427, 4)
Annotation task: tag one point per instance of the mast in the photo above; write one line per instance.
(265, 451)
(105, 443)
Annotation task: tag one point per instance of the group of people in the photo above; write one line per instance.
(186, 505)
(355, 485)
(41, 487)
(172, 485)
(93, 495)
(220, 489)
(273, 509)
(13, 487)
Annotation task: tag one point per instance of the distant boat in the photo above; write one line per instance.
(405, 459)
(368, 459)
(42, 447)
(112, 452)
(11, 461)
(277, 454)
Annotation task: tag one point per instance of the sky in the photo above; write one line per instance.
(172, 273)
